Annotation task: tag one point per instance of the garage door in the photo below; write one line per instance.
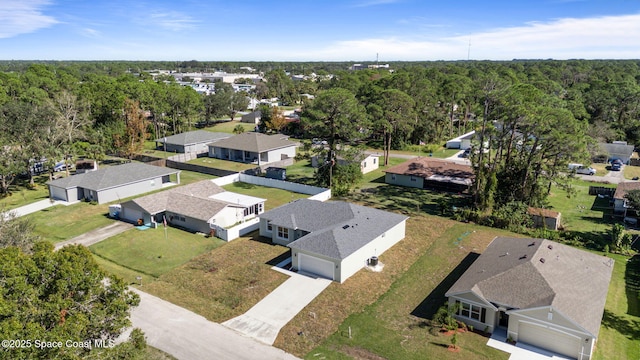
(58, 193)
(131, 215)
(314, 265)
(549, 339)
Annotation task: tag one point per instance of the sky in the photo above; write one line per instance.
(319, 30)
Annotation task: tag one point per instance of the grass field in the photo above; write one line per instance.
(226, 282)
(149, 253)
(631, 172)
(228, 126)
(20, 194)
(222, 164)
(275, 197)
(60, 222)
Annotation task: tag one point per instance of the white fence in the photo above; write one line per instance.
(238, 230)
(321, 194)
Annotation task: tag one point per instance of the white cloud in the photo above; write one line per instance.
(612, 37)
(23, 17)
(172, 20)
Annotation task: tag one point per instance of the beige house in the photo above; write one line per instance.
(538, 292)
(544, 218)
(254, 148)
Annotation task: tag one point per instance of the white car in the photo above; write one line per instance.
(586, 170)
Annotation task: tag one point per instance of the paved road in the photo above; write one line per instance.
(265, 319)
(97, 235)
(612, 177)
(189, 336)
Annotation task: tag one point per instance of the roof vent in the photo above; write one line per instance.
(542, 260)
(523, 257)
(345, 227)
(550, 247)
(532, 244)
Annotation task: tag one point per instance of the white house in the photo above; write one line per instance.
(254, 148)
(200, 207)
(190, 141)
(332, 239)
(538, 292)
(368, 163)
(462, 142)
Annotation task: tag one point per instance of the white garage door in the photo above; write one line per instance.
(315, 266)
(549, 339)
(59, 193)
(131, 215)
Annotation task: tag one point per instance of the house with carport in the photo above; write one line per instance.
(428, 172)
(254, 148)
(113, 183)
(200, 207)
(535, 291)
(190, 142)
(332, 239)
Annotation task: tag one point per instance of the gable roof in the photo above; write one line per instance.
(336, 228)
(254, 142)
(193, 137)
(113, 176)
(528, 273)
(543, 212)
(198, 200)
(428, 167)
(624, 187)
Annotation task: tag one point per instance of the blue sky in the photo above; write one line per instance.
(321, 30)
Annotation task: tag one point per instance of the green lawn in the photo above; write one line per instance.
(222, 164)
(442, 153)
(148, 251)
(228, 126)
(275, 197)
(631, 172)
(20, 194)
(301, 172)
(61, 222)
(188, 177)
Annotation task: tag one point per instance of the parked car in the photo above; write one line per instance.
(61, 166)
(466, 153)
(616, 165)
(586, 170)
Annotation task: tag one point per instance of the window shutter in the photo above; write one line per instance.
(483, 314)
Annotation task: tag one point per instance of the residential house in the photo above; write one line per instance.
(536, 291)
(620, 205)
(462, 142)
(200, 207)
(332, 239)
(113, 183)
(254, 148)
(252, 117)
(368, 163)
(190, 142)
(428, 172)
(617, 150)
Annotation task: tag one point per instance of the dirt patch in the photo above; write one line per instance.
(360, 353)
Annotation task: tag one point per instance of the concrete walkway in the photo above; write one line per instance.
(189, 336)
(97, 235)
(265, 319)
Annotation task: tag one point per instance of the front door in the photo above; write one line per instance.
(504, 319)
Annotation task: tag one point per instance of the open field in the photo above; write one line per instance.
(442, 153)
(148, 251)
(222, 164)
(275, 197)
(228, 126)
(631, 172)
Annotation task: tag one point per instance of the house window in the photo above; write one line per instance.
(393, 177)
(471, 311)
(269, 226)
(413, 179)
(374, 161)
(283, 233)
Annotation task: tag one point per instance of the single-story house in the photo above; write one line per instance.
(619, 202)
(190, 141)
(536, 291)
(332, 239)
(368, 163)
(428, 172)
(86, 165)
(254, 148)
(462, 142)
(617, 150)
(252, 117)
(202, 206)
(112, 183)
(544, 218)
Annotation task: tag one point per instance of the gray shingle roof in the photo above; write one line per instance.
(528, 273)
(113, 176)
(254, 142)
(624, 187)
(194, 137)
(618, 150)
(336, 229)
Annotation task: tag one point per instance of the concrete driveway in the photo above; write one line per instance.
(265, 319)
(97, 235)
(189, 336)
(522, 351)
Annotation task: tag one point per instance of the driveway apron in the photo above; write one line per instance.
(265, 319)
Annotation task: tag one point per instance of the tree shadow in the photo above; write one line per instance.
(430, 305)
(632, 285)
(627, 327)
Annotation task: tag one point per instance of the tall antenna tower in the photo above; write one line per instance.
(376, 59)
(469, 51)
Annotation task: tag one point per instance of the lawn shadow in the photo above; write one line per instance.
(632, 285)
(429, 306)
(379, 180)
(627, 327)
(244, 185)
(593, 240)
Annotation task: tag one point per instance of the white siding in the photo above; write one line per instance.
(404, 180)
(276, 155)
(129, 190)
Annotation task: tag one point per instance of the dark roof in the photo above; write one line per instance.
(529, 273)
(624, 187)
(113, 176)
(543, 212)
(426, 167)
(193, 137)
(255, 142)
(336, 228)
(618, 150)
